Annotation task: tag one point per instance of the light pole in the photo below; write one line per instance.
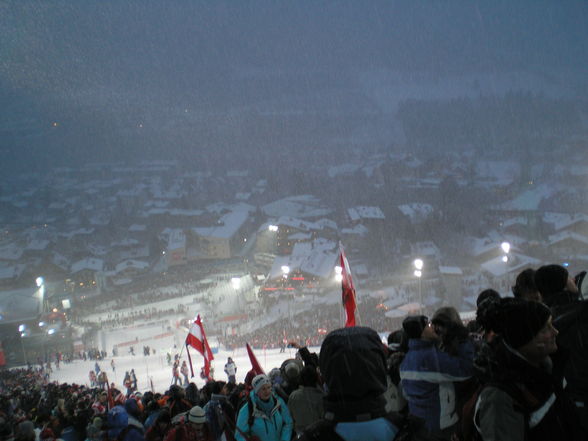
(285, 272)
(506, 249)
(418, 272)
(22, 329)
(41, 292)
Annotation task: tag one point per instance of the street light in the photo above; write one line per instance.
(338, 274)
(419, 264)
(505, 247)
(236, 283)
(22, 329)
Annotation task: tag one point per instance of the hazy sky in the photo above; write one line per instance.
(105, 79)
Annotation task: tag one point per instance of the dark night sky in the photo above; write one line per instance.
(130, 78)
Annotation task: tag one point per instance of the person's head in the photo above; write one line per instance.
(163, 420)
(446, 317)
(308, 376)
(526, 326)
(103, 396)
(197, 418)
(132, 407)
(353, 365)
(555, 284)
(414, 325)
(262, 386)
(486, 294)
(525, 287)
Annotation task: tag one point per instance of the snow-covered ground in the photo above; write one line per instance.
(154, 368)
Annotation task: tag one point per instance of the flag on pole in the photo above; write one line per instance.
(347, 290)
(255, 366)
(197, 339)
(109, 393)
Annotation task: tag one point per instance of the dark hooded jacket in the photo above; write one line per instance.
(521, 401)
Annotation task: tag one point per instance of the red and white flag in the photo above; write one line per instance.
(347, 290)
(197, 339)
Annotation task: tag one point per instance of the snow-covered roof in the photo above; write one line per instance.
(327, 223)
(228, 226)
(19, 305)
(302, 206)
(363, 212)
(38, 244)
(59, 260)
(501, 172)
(135, 252)
(451, 270)
(299, 224)
(359, 229)
(317, 258)
(300, 236)
(498, 268)
(416, 211)
(11, 251)
(97, 250)
(79, 231)
(89, 263)
(243, 196)
(131, 263)
(563, 235)
(175, 238)
(125, 242)
(561, 221)
(11, 271)
(343, 169)
(528, 200)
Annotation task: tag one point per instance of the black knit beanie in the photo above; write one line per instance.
(521, 320)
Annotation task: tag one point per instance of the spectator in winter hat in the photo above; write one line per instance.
(434, 364)
(353, 365)
(570, 317)
(194, 428)
(265, 414)
(523, 398)
(306, 402)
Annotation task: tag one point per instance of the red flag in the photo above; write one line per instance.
(197, 339)
(109, 393)
(255, 366)
(348, 291)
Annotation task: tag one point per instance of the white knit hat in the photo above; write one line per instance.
(259, 381)
(197, 415)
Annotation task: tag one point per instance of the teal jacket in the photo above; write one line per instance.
(273, 424)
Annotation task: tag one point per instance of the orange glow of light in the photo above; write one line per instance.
(297, 278)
